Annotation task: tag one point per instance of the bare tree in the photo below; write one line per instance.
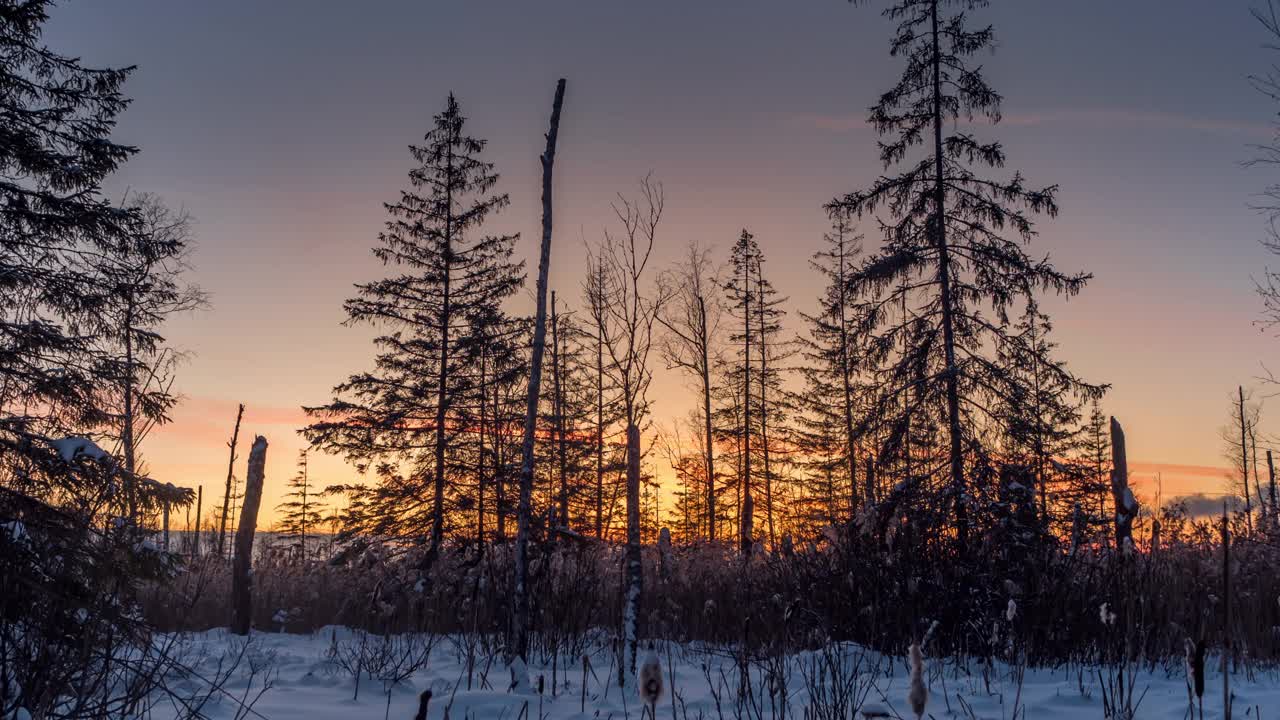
(226, 498)
(242, 567)
(1244, 416)
(607, 402)
(692, 323)
(519, 646)
(143, 277)
(629, 340)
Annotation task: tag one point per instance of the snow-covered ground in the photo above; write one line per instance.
(310, 677)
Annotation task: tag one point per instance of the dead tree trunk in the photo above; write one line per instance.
(1271, 474)
(764, 415)
(1126, 506)
(705, 341)
(557, 399)
(195, 547)
(745, 508)
(635, 568)
(1244, 461)
(226, 498)
(1226, 615)
(599, 430)
(519, 645)
(241, 567)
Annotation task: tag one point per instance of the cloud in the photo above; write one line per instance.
(1145, 467)
(1094, 118)
(224, 411)
(1200, 505)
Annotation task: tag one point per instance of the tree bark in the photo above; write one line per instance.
(480, 468)
(846, 370)
(705, 341)
(764, 415)
(442, 377)
(1244, 460)
(226, 498)
(126, 434)
(1271, 473)
(241, 567)
(1126, 507)
(635, 568)
(944, 289)
(745, 509)
(519, 646)
(600, 432)
(195, 548)
(499, 474)
(557, 370)
(1226, 615)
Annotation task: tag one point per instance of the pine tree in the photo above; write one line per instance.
(775, 401)
(300, 511)
(56, 120)
(567, 459)
(739, 289)
(493, 409)
(829, 426)
(608, 414)
(69, 575)
(947, 250)
(406, 412)
(629, 321)
(142, 280)
(1089, 486)
(756, 309)
(1040, 411)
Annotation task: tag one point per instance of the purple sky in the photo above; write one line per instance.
(282, 126)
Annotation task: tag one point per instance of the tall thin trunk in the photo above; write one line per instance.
(1244, 461)
(226, 498)
(442, 373)
(195, 548)
(499, 467)
(520, 606)
(764, 413)
(745, 507)
(241, 569)
(1257, 481)
(306, 508)
(600, 429)
(635, 569)
(907, 409)
(1039, 432)
(557, 370)
(871, 479)
(705, 341)
(480, 469)
(944, 288)
(1271, 475)
(846, 380)
(126, 434)
(1227, 653)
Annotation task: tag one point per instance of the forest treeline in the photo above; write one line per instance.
(905, 434)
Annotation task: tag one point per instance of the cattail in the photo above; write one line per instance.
(1198, 669)
(423, 700)
(651, 682)
(918, 694)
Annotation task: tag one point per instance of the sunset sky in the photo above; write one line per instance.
(283, 125)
